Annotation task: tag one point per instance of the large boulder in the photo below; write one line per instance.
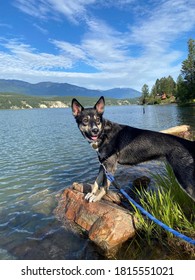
(107, 224)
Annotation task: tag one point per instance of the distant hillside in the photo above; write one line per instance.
(121, 93)
(20, 101)
(63, 89)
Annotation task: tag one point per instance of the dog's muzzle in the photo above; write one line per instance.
(94, 134)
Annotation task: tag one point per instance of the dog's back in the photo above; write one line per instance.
(135, 145)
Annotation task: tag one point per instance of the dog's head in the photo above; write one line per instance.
(89, 120)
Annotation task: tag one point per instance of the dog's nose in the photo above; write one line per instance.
(95, 130)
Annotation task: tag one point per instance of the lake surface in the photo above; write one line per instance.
(43, 152)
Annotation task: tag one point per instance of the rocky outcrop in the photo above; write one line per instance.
(107, 224)
(55, 104)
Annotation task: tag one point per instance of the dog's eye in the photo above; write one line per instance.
(97, 120)
(85, 121)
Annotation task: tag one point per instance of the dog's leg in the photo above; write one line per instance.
(110, 165)
(184, 168)
(98, 196)
(101, 191)
(93, 197)
(97, 183)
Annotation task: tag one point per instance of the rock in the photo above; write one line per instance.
(55, 104)
(26, 105)
(183, 131)
(42, 106)
(58, 104)
(107, 224)
(141, 182)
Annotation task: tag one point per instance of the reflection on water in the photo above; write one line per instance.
(42, 152)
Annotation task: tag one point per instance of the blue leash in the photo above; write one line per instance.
(111, 178)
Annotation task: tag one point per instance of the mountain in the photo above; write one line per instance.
(63, 89)
(122, 93)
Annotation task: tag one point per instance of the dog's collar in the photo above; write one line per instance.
(94, 145)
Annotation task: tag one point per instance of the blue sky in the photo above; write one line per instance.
(97, 44)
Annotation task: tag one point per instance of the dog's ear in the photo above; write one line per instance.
(77, 108)
(99, 106)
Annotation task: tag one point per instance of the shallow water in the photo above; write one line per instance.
(42, 152)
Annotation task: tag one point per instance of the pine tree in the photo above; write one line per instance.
(145, 93)
(164, 86)
(186, 88)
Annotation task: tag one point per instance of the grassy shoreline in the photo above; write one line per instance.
(171, 205)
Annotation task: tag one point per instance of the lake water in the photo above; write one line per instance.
(43, 152)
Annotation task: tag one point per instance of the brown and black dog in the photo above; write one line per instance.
(117, 143)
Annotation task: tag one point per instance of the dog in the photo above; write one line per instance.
(117, 143)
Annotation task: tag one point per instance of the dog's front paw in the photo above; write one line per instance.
(91, 197)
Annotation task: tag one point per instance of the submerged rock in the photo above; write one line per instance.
(107, 224)
(141, 182)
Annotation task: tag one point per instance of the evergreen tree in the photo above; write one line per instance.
(145, 93)
(186, 88)
(181, 89)
(171, 86)
(164, 85)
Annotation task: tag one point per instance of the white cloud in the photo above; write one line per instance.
(102, 47)
(72, 50)
(164, 24)
(24, 57)
(5, 25)
(107, 51)
(43, 30)
(72, 9)
(45, 9)
(33, 8)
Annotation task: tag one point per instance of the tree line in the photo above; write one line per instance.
(167, 90)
